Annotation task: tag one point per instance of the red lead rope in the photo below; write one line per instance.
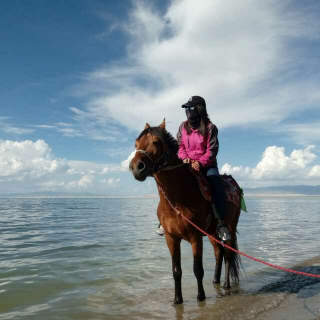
(249, 257)
(232, 249)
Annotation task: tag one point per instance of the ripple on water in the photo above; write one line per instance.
(100, 258)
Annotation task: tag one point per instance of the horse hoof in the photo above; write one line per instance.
(226, 286)
(178, 300)
(201, 297)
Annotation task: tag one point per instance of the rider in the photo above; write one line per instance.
(199, 146)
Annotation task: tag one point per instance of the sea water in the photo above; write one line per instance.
(100, 258)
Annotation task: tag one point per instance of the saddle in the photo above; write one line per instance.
(232, 190)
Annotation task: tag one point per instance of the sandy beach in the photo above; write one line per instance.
(290, 297)
(304, 305)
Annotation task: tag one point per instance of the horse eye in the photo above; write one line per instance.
(155, 142)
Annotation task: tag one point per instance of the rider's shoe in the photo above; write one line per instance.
(160, 231)
(223, 232)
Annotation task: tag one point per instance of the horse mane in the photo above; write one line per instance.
(164, 136)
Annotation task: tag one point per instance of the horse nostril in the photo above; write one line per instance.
(141, 166)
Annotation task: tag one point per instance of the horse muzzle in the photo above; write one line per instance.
(139, 170)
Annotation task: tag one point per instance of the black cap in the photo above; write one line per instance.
(194, 101)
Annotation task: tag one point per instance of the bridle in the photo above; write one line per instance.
(161, 164)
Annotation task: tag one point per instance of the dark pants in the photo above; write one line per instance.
(217, 190)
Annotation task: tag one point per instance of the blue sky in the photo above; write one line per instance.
(79, 80)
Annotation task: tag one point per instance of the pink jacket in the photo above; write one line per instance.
(197, 147)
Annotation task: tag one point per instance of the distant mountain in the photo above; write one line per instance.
(50, 194)
(47, 195)
(284, 190)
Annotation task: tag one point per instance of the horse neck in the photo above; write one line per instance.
(175, 182)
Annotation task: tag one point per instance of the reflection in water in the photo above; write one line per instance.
(217, 288)
(179, 311)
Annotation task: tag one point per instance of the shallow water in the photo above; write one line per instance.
(101, 259)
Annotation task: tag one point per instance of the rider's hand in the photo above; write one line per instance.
(187, 160)
(196, 165)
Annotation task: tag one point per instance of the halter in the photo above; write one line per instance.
(154, 164)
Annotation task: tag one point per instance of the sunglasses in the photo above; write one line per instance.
(190, 108)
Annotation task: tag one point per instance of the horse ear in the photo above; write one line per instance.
(163, 124)
(147, 126)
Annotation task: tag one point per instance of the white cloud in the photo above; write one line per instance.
(82, 184)
(27, 166)
(6, 127)
(276, 166)
(15, 130)
(110, 181)
(85, 181)
(44, 126)
(70, 132)
(104, 171)
(240, 56)
(124, 166)
(237, 171)
(314, 172)
(301, 133)
(86, 126)
(31, 166)
(72, 171)
(27, 158)
(52, 184)
(64, 124)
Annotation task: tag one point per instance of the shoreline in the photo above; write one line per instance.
(151, 196)
(282, 195)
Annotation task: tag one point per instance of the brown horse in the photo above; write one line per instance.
(156, 156)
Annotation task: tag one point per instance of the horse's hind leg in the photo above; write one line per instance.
(227, 259)
(218, 252)
(175, 251)
(232, 258)
(197, 248)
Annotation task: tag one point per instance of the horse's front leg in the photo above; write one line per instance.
(197, 248)
(174, 248)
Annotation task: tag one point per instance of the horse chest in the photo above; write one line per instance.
(175, 225)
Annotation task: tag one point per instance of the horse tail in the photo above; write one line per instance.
(235, 262)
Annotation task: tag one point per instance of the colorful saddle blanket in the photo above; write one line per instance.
(231, 188)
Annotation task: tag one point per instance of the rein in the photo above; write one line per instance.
(172, 167)
(176, 209)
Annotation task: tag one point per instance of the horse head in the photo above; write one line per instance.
(151, 152)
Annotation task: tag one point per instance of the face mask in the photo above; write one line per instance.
(193, 118)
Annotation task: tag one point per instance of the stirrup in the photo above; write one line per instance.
(223, 233)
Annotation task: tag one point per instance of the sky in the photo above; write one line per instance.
(80, 78)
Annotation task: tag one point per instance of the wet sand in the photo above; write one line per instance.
(291, 297)
(304, 305)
